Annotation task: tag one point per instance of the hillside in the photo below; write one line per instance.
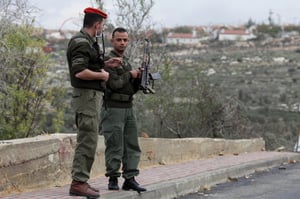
(262, 76)
(265, 81)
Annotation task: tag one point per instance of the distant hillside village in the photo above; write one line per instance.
(210, 33)
(196, 35)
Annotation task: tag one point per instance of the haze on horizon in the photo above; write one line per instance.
(170, 13)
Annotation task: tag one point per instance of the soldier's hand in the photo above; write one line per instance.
(105, 75)
(134, 73)
(114, 62)
(141, 69)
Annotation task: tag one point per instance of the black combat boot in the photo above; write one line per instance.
(113, 183)
(133, 185)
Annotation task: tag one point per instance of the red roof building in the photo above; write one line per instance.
(235, 35)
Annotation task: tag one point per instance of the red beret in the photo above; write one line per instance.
(95, 11)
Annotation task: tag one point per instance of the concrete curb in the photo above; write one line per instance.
(50, 157)
(177, 187)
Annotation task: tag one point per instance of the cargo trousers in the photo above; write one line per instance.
(86, 104)
(121, 140)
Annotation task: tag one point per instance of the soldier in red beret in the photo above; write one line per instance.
(86, 74)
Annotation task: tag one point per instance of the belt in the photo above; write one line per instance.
(120, 97)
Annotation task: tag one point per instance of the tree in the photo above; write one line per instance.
(100, 4)
(183, 29)
(16, 11)
(22, 96)
(134, 15)
(23, 66)
(268, 29)
(250, 23)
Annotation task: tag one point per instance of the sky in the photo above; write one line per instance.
(66, 14)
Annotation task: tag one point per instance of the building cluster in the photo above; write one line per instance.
(198, 36)
(202, 33)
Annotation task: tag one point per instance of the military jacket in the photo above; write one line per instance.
(121, 86)
(82, 55)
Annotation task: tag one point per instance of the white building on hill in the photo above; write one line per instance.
(183, 38)
(235, 35)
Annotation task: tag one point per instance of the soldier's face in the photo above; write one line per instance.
(100, 26)
(120, 41)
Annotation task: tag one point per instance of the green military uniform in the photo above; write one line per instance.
(86, 102)
(118, 122)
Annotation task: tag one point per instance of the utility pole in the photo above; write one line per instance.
(270, 18)
(297, 146)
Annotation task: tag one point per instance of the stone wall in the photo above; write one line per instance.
(45, 161)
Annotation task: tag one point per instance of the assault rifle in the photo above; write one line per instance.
(147, 78)
(100, 54)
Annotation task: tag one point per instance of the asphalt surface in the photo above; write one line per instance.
(280, 182)
(175, 180)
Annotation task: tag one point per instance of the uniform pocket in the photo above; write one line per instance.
(87, 122)
(86, 101)
(76, 93)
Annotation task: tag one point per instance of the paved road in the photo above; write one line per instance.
(281, 182)
(174, 180)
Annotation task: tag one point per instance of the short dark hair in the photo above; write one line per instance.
(90, 18)
(119, 29)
